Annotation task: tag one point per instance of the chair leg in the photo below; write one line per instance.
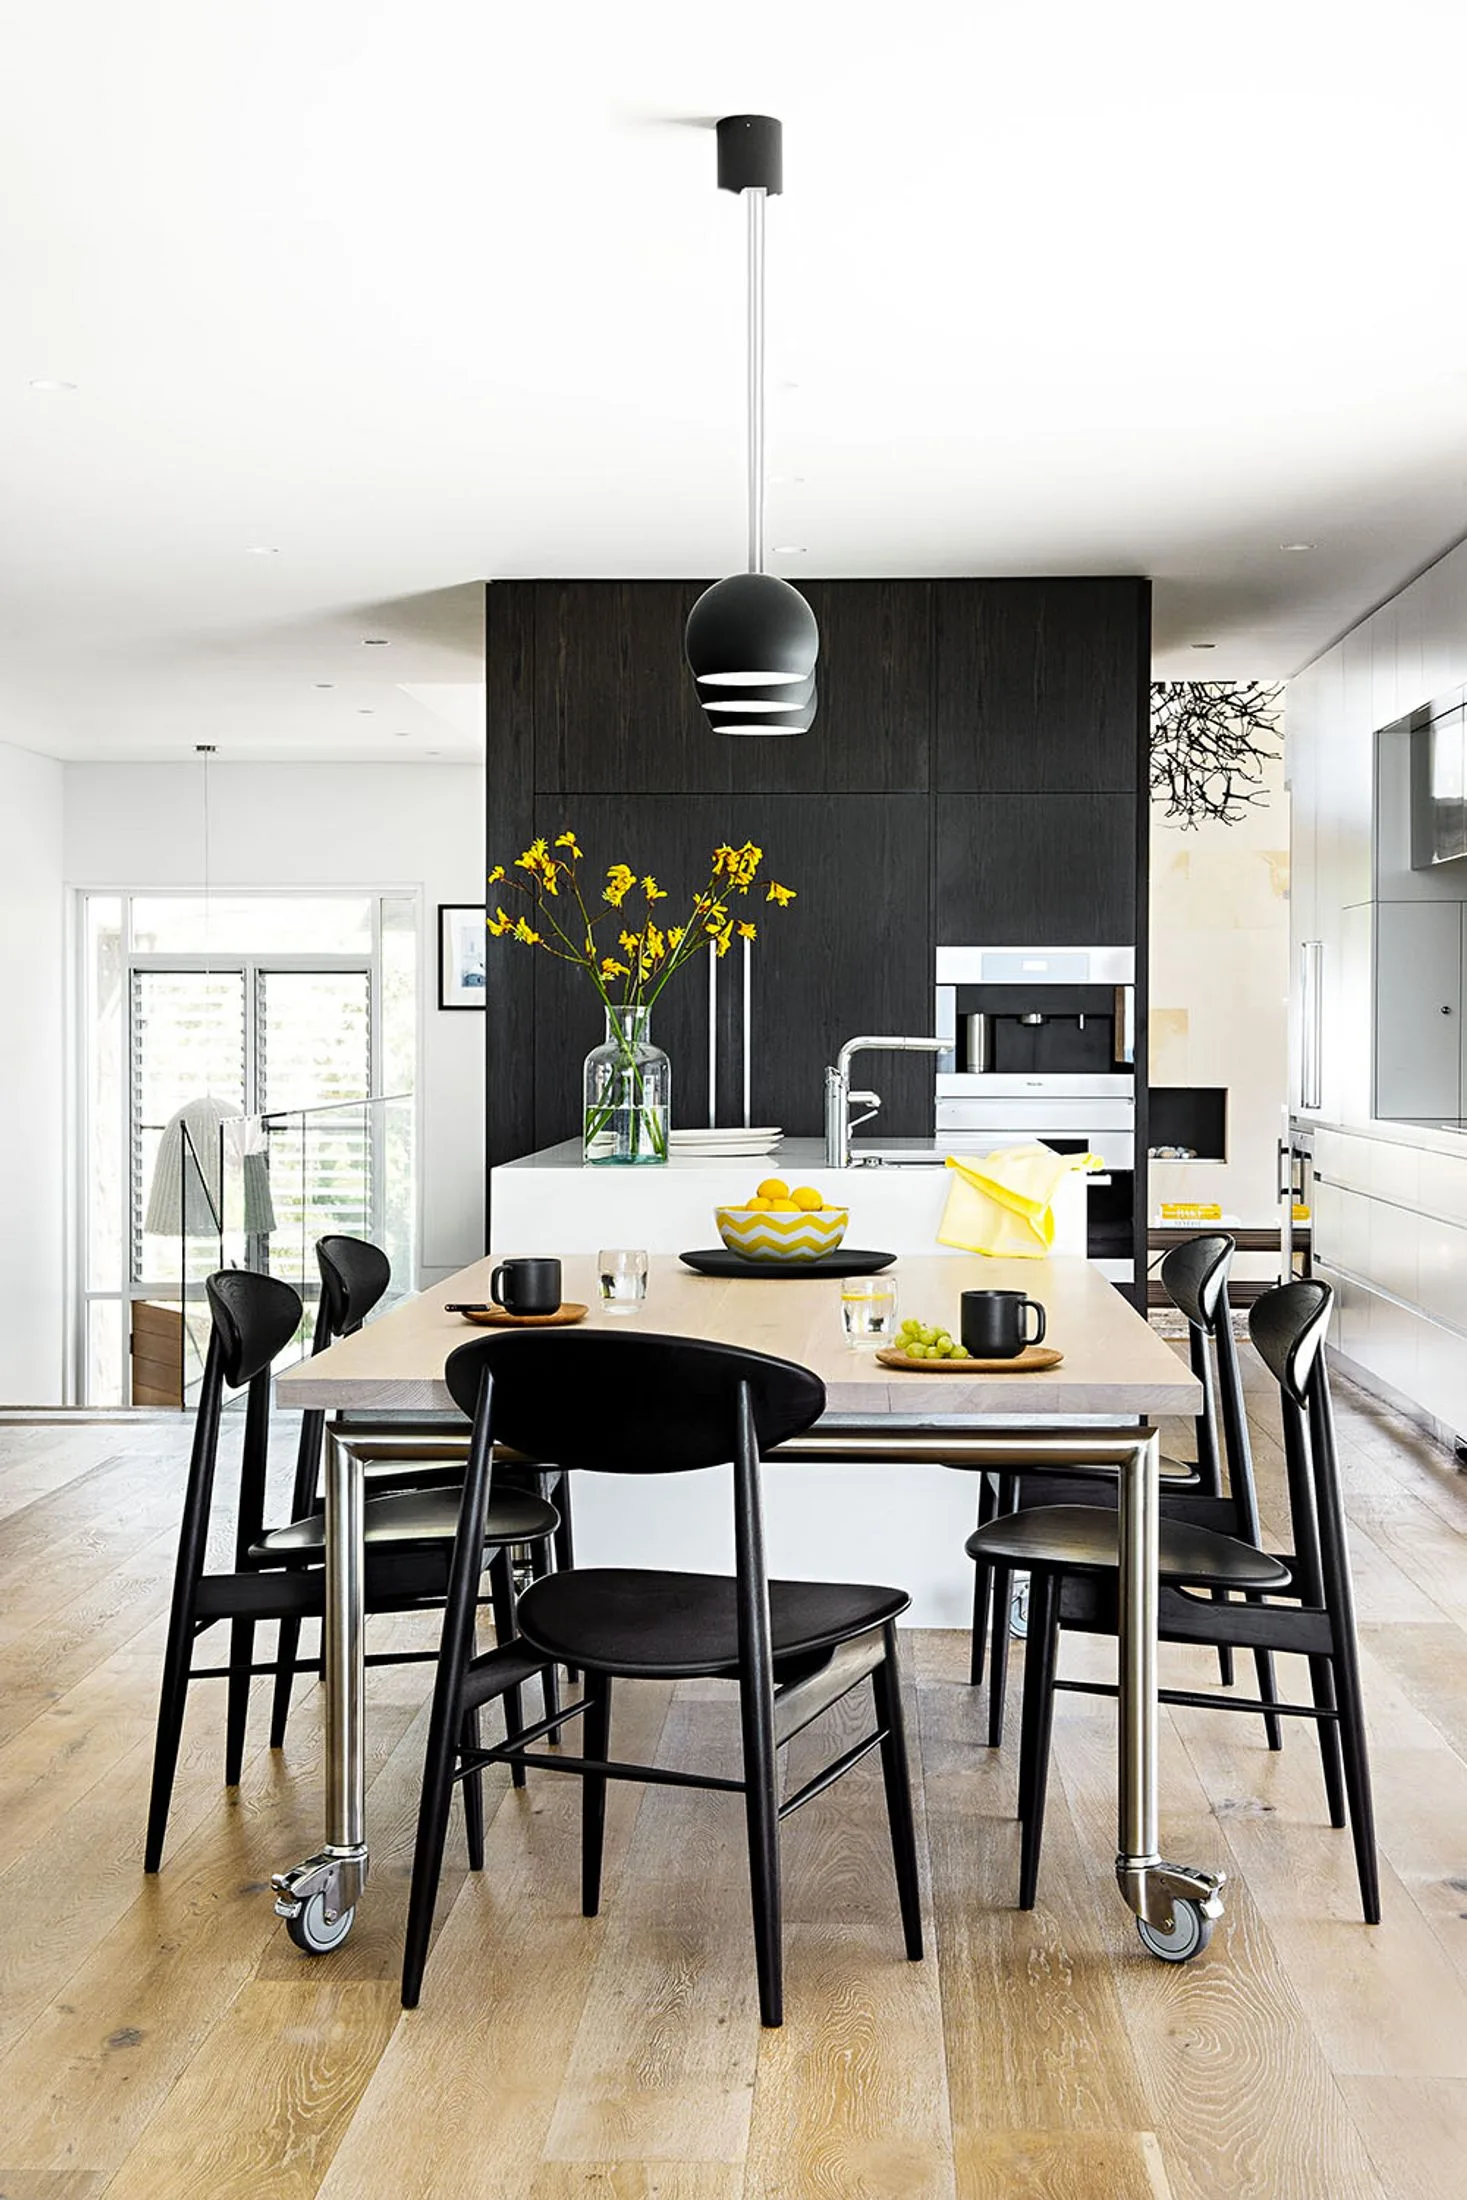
(287, 1648)
(982, 1582)
(998, 1662)
(597, 1743)
(501, 1593)
(172, 1696)
(241, 1655)
(1322, 1687)
(542, 1562)
(565, 1548)
(761, 1818)
(1356, 1765)
(886, 1691)
(473, 1787)
(433, 1810)
(1041, 1656)
(1268, 1689)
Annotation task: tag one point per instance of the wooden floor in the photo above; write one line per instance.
(162, 2038)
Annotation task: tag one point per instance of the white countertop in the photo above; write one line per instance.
(799, 1155)
(1425, 1136)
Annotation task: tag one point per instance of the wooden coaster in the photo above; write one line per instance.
(495, 1317)
(1028, 1362)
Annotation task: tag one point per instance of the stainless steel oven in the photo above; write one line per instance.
(1043, 1050)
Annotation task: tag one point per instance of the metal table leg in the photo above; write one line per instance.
(319, 1897)
(1175, 1904)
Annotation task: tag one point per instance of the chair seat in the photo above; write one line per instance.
(1079, 1536)
(417, 1516)
(642, 1625)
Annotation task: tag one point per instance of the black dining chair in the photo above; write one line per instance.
(1196, 1279)
(277, 1574)
(403, 1451)
(1300, 1601)
(646, 1406)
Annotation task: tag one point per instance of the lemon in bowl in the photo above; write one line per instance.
(790, 1226)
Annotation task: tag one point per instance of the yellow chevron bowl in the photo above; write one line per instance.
(793, 1239)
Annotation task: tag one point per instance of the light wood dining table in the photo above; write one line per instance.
(1094, 1409)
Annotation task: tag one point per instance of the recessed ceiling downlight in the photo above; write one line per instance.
(1298, 546)
(261, 550)
(49, 382)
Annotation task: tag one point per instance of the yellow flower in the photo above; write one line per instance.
(611, 968)
(745, 864)
(536, 855)
(619, 883)
(499, 924)
(496, 874)
(628, 940)
(723, 940)
(654, 945)
(675, 935)
(747, 932)
(568, 840)
(784, 895)
(527, 933)
(652, 890)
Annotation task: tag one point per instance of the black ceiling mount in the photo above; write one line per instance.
(751, 154)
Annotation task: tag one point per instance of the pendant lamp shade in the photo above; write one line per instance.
(752, 640)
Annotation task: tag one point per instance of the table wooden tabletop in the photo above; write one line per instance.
(1113, 1362)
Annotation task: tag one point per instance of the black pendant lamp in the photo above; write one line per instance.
(752, 640)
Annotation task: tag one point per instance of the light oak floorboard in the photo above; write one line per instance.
(164, 2038)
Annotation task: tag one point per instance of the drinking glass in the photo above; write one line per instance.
(868, 1310)
(622, 1278)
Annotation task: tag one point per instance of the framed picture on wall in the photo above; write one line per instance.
(462, 941)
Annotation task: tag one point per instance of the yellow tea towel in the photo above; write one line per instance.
(999, 1203)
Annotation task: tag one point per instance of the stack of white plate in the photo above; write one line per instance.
(713, 1144)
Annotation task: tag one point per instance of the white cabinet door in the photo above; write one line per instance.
(1418, 1009)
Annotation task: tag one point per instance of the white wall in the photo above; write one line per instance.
(283, 826)
(1219, 985)
(32, 1080)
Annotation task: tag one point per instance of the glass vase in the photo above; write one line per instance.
(628, 1092)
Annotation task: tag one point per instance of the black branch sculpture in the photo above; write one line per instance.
(1210, 742)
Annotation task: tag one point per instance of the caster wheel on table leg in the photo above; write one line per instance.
(1190, 1933)
(311, 1931)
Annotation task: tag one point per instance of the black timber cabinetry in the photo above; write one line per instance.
(977, 774)
(853, 952)
(1037, 685)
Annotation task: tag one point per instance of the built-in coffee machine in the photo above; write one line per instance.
(1042, 1049)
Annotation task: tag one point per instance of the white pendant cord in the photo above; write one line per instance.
(756, 200)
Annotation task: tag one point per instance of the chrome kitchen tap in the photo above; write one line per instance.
(838, 1094)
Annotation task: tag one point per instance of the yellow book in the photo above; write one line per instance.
(1190, 1210)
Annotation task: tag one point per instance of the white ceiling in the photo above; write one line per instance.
(415, 292)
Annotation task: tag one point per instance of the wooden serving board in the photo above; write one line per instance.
(495, 1317)
(1028, 1362)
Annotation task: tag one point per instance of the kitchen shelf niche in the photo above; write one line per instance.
(1190, 1115)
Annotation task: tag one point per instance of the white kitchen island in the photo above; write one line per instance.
(844, 1522)
(550, 1202)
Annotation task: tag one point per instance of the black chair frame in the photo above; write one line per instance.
(778, 1697)
(1314, 1617)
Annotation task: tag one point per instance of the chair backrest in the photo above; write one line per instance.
(1288, 1326)
(254, 1317)
(631, 1404)
(1195, 1279)
(354, 1275)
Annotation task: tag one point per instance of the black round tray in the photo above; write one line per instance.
(719, 1261)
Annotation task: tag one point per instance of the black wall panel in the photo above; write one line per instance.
(976, 774)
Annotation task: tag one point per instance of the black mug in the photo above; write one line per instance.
(994, 1323)
(526, 1286)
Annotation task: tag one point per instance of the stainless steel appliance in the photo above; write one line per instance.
(1041, 1047)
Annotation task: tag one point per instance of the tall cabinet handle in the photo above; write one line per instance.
(748, 1035)
(1311, 1024)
